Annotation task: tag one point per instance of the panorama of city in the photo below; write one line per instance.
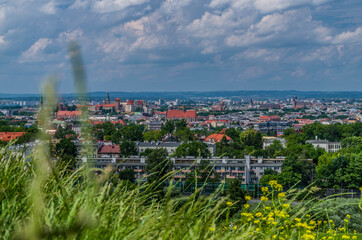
(181, 119)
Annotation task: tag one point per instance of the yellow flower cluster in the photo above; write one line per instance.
(275, 185)
(274, 217)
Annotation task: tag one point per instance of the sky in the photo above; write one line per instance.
(183, 45)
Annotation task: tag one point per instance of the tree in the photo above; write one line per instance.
(275, 149)
(233, 134)
(196, 149)
(152, 135)
(127, 175)
(236, 195)
(169, 126)
(66, 151)
(296, 171)
(185, 135)
(127, 148)
(158, 165)
(252, 138)
(65, 147)
(132, 132)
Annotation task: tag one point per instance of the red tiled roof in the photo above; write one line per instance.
(130, 102)
(8, 136)
(117, 99)
(181, 114)
(62, 114)
(217, 137)
(109, 149)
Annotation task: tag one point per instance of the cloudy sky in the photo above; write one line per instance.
(181, 45)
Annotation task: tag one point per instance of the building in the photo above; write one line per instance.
(169, 146)
(273, 126)
(267, 141)
(108, 151)
(72, 115)
(8, 136)
(330, 147)
(249, 169)
(217, 137)
(189, 115)
(154, 125)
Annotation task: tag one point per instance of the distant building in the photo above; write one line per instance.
(189, 115)
(248, 169)
(300, 104)
(169, 146)
(270, 118)
(217, 137)
(330, 147)
(154, 125)
(267, 141)
(270, 106)
(273, 126)
(8, 136)
(73, 115)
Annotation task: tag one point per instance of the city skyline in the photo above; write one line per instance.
(184, 45)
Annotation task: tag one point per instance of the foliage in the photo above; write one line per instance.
(127, 148)
(153, 135)
(252, 138)
(72, 207)
(127, 175)
(341, 171)
(158, 165)
(196, 149)
(236, 194)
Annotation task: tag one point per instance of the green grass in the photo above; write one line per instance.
(49, 203)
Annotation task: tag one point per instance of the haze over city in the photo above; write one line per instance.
(183, 45)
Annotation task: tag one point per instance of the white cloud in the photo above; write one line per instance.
(288, 28)
(172, 6)
(260, 53)
(2, 40)
(104, 6)
(65, 37)
(264, 6)
(49, 8)
(348, 37)
(35, 52)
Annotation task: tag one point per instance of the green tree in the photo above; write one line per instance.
(252, 138)
(157, 167)
(194, 148)
(152, 135)
(127, 148)
(132, 132)
(296, 171)
(127, 175)
(236, 195)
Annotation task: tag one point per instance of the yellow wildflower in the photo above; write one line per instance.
(286, 205)
(246, 206)
(264, 198)
(258, 214)
(348, 216)
(235, 227)
(212, 229)
(281, 195)
(229, 203)
(247, 198)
